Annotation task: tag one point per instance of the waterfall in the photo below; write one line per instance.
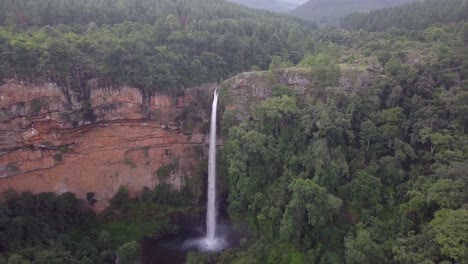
(211, 211)
(214, 239)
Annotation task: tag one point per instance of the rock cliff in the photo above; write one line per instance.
(55, 140)
(52, 142)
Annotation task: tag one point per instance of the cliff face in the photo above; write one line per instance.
(52, 142)
(250, 88)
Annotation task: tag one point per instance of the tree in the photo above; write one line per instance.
(310, 205)
(415, 249)
(275, 44)
(364, 191)
(129, 253)
(447, 193)
(120, 198)
(324, 68)
(309, 46)
(369, 133)
(450, 230)
(436, 139)
(276, 63)
(172, 21)
(363, 249)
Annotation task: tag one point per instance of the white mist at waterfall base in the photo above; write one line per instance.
(212, 241)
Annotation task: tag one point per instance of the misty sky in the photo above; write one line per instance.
(298, 2)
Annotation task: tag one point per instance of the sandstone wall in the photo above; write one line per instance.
(52, 142)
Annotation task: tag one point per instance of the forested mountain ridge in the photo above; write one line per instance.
(273, 5)
(328, 12)
(417, 15)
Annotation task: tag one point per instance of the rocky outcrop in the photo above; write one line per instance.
(51, 141)
(250, 88)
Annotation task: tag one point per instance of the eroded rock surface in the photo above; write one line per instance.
(52, 142)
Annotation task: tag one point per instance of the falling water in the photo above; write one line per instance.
(213, 241)
(211, 212)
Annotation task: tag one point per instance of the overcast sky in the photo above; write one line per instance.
(298, 2)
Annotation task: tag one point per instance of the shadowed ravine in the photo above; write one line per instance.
(173, 248)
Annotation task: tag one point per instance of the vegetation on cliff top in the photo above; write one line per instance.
(154, 45)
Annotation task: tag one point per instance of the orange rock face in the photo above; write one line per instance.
(52, 142)
(57, 140)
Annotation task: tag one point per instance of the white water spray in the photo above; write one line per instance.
(211, 212)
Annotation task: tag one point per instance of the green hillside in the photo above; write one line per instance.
(273, 5)
(417, 15)
(328, 12)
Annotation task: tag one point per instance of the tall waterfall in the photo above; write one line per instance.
(211, 206)
(214, 239)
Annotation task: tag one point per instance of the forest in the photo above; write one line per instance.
(153, 45)
(374, 175)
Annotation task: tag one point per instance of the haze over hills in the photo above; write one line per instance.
(412, 16)
(272, 5)
(328, 12)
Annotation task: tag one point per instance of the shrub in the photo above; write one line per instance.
(90, 198)
(120, 199)
(58, 157)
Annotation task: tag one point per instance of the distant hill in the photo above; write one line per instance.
(272, 5)
(328, 12)
(413, 16)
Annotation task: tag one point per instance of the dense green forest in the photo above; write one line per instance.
(377, 175)
(154, 45)
(47, 228)
(370, 175)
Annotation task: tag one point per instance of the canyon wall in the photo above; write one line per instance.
(55, 140)
(52, 142)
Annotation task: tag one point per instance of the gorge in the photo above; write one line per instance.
(152, 131)
(48, 142)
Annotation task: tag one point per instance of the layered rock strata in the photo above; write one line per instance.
(52, 142)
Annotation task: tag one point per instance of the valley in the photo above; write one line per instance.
(341, 138)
